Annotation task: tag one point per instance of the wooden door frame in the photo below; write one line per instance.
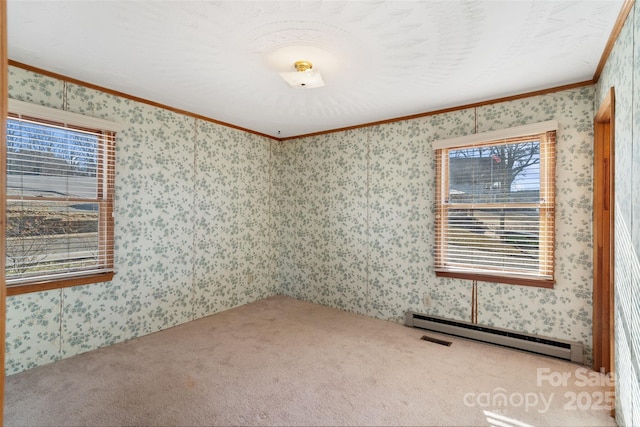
(603, 235)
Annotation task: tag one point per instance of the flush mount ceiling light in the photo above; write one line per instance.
(304, 76)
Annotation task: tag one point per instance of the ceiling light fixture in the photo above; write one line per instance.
(304, 76)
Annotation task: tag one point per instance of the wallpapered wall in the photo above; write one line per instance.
(356, 217)
(622, 72)
(191, 229)
(344, 219)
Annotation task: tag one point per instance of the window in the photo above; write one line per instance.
(60, 185)
(495, 202)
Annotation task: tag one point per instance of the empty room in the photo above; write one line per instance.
(320, 212)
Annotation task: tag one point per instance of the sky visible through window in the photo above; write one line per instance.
(495, 173)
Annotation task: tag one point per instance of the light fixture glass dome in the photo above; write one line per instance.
(305, 77)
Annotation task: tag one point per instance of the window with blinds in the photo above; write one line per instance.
(495, 206)
(60, 189)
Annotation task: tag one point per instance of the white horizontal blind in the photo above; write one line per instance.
(495, 208)
(60, 183)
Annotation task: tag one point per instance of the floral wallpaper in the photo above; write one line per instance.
(322, 222)
(357, 229)
(209, 218)
(622, 73)
(192, 230)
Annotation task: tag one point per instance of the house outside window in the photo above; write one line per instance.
(495, 206)
(60, 190)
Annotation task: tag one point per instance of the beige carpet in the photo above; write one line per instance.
(281, 361)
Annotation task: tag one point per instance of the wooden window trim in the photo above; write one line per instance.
(546, 216)
(58, 284)
(510, 280)
(104, 198)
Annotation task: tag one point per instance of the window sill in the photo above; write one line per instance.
(510, 280)
(58, 284)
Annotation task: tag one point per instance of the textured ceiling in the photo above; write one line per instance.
(379, 59)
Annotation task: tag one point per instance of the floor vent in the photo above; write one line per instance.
(568, 350)
(436, 340)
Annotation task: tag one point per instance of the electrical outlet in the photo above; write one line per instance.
(426, 300)
(249, 278)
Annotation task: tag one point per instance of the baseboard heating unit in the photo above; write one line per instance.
(568, 350)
